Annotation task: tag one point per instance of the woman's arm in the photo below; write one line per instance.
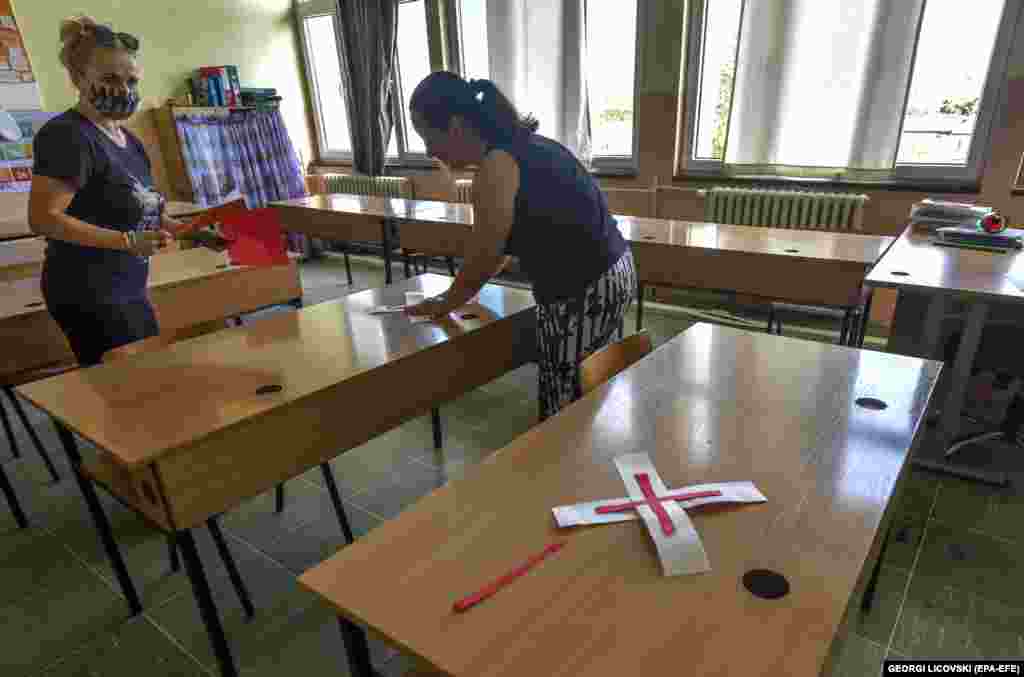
(48, 200)
(494, 195)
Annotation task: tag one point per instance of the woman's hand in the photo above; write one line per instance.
(148, 242)
(177, 228)
(438, 306)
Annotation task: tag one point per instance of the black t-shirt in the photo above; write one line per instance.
(563, 233)
(114, 190)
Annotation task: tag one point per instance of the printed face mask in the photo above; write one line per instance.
(115, 104)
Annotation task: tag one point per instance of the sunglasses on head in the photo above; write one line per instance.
(105, 37)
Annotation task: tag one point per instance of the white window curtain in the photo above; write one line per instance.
(821, 85)
(537, 57)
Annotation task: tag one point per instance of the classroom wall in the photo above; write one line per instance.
(256, 35)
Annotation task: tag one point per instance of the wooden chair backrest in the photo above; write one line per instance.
(613, 358)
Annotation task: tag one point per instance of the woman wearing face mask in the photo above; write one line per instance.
(532, 199)
(92, 197)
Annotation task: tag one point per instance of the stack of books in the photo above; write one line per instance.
(932, 214)
(260, 97)
(216, 86)
(972, 236)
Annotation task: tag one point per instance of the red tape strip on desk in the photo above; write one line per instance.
(652, 500)
(466, 602)
(626, 507)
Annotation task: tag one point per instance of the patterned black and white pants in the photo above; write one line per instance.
(569, 330)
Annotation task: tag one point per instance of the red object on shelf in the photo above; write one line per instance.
(256, 237)
(993, 223)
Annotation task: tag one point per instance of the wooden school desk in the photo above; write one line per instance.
(21, 258)
(354, 218)
(773, 263)
(800, 266)
(928, 278)
(713, 404)
(186, 288)
(192, 431)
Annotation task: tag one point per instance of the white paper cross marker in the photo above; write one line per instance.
(677, 541)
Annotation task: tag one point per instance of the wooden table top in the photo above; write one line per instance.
(18, 297)
(802, 244)
(141, 408)
(177, 209)
(22, 254)
(807, 244)
(950, 270)
(376, 207)
(15, 226)
(713, 404)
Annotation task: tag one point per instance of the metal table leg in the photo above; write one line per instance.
(207, 607)
(357, 649)
(99, 518)
(958, 378)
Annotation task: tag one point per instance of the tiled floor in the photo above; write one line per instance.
(951, 584)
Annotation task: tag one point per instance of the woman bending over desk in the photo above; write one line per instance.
(534, 200)
(92, 197)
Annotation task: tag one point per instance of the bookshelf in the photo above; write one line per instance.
(170, 142)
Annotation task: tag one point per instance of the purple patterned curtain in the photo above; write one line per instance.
(246, 152)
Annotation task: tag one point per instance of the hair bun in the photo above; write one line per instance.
(75, 28)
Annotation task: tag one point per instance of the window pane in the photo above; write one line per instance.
(474, 39)
(717, 67)
(611, 66)
(413, 61)
(322, 45)
(948, 78)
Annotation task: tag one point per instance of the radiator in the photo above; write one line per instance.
(464, 191)
(383, 186)
(784, 208)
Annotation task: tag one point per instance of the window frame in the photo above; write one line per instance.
(305, 10)
(901, 174)
(603, 165)
(315, 8)
(625, 165)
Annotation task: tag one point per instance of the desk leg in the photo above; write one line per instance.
(357, 649)
(99, 518)
(862, 329)
(928, 348)
(385, 239)
(12, 500)
(962, 371)
(639, 306)
(339, 507)
(435, 424)
(953, 405)
(207, 608)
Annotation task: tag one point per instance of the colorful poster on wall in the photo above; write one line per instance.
(16, 156)
(18, 87)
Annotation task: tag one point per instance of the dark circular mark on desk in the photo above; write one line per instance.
(957, 552)
(223, 265)
(900, 273)
(792, 251)
(871, 403)
(648, 237)
(766, 584)
(469, 316)
(34, 304)
(268, 389)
